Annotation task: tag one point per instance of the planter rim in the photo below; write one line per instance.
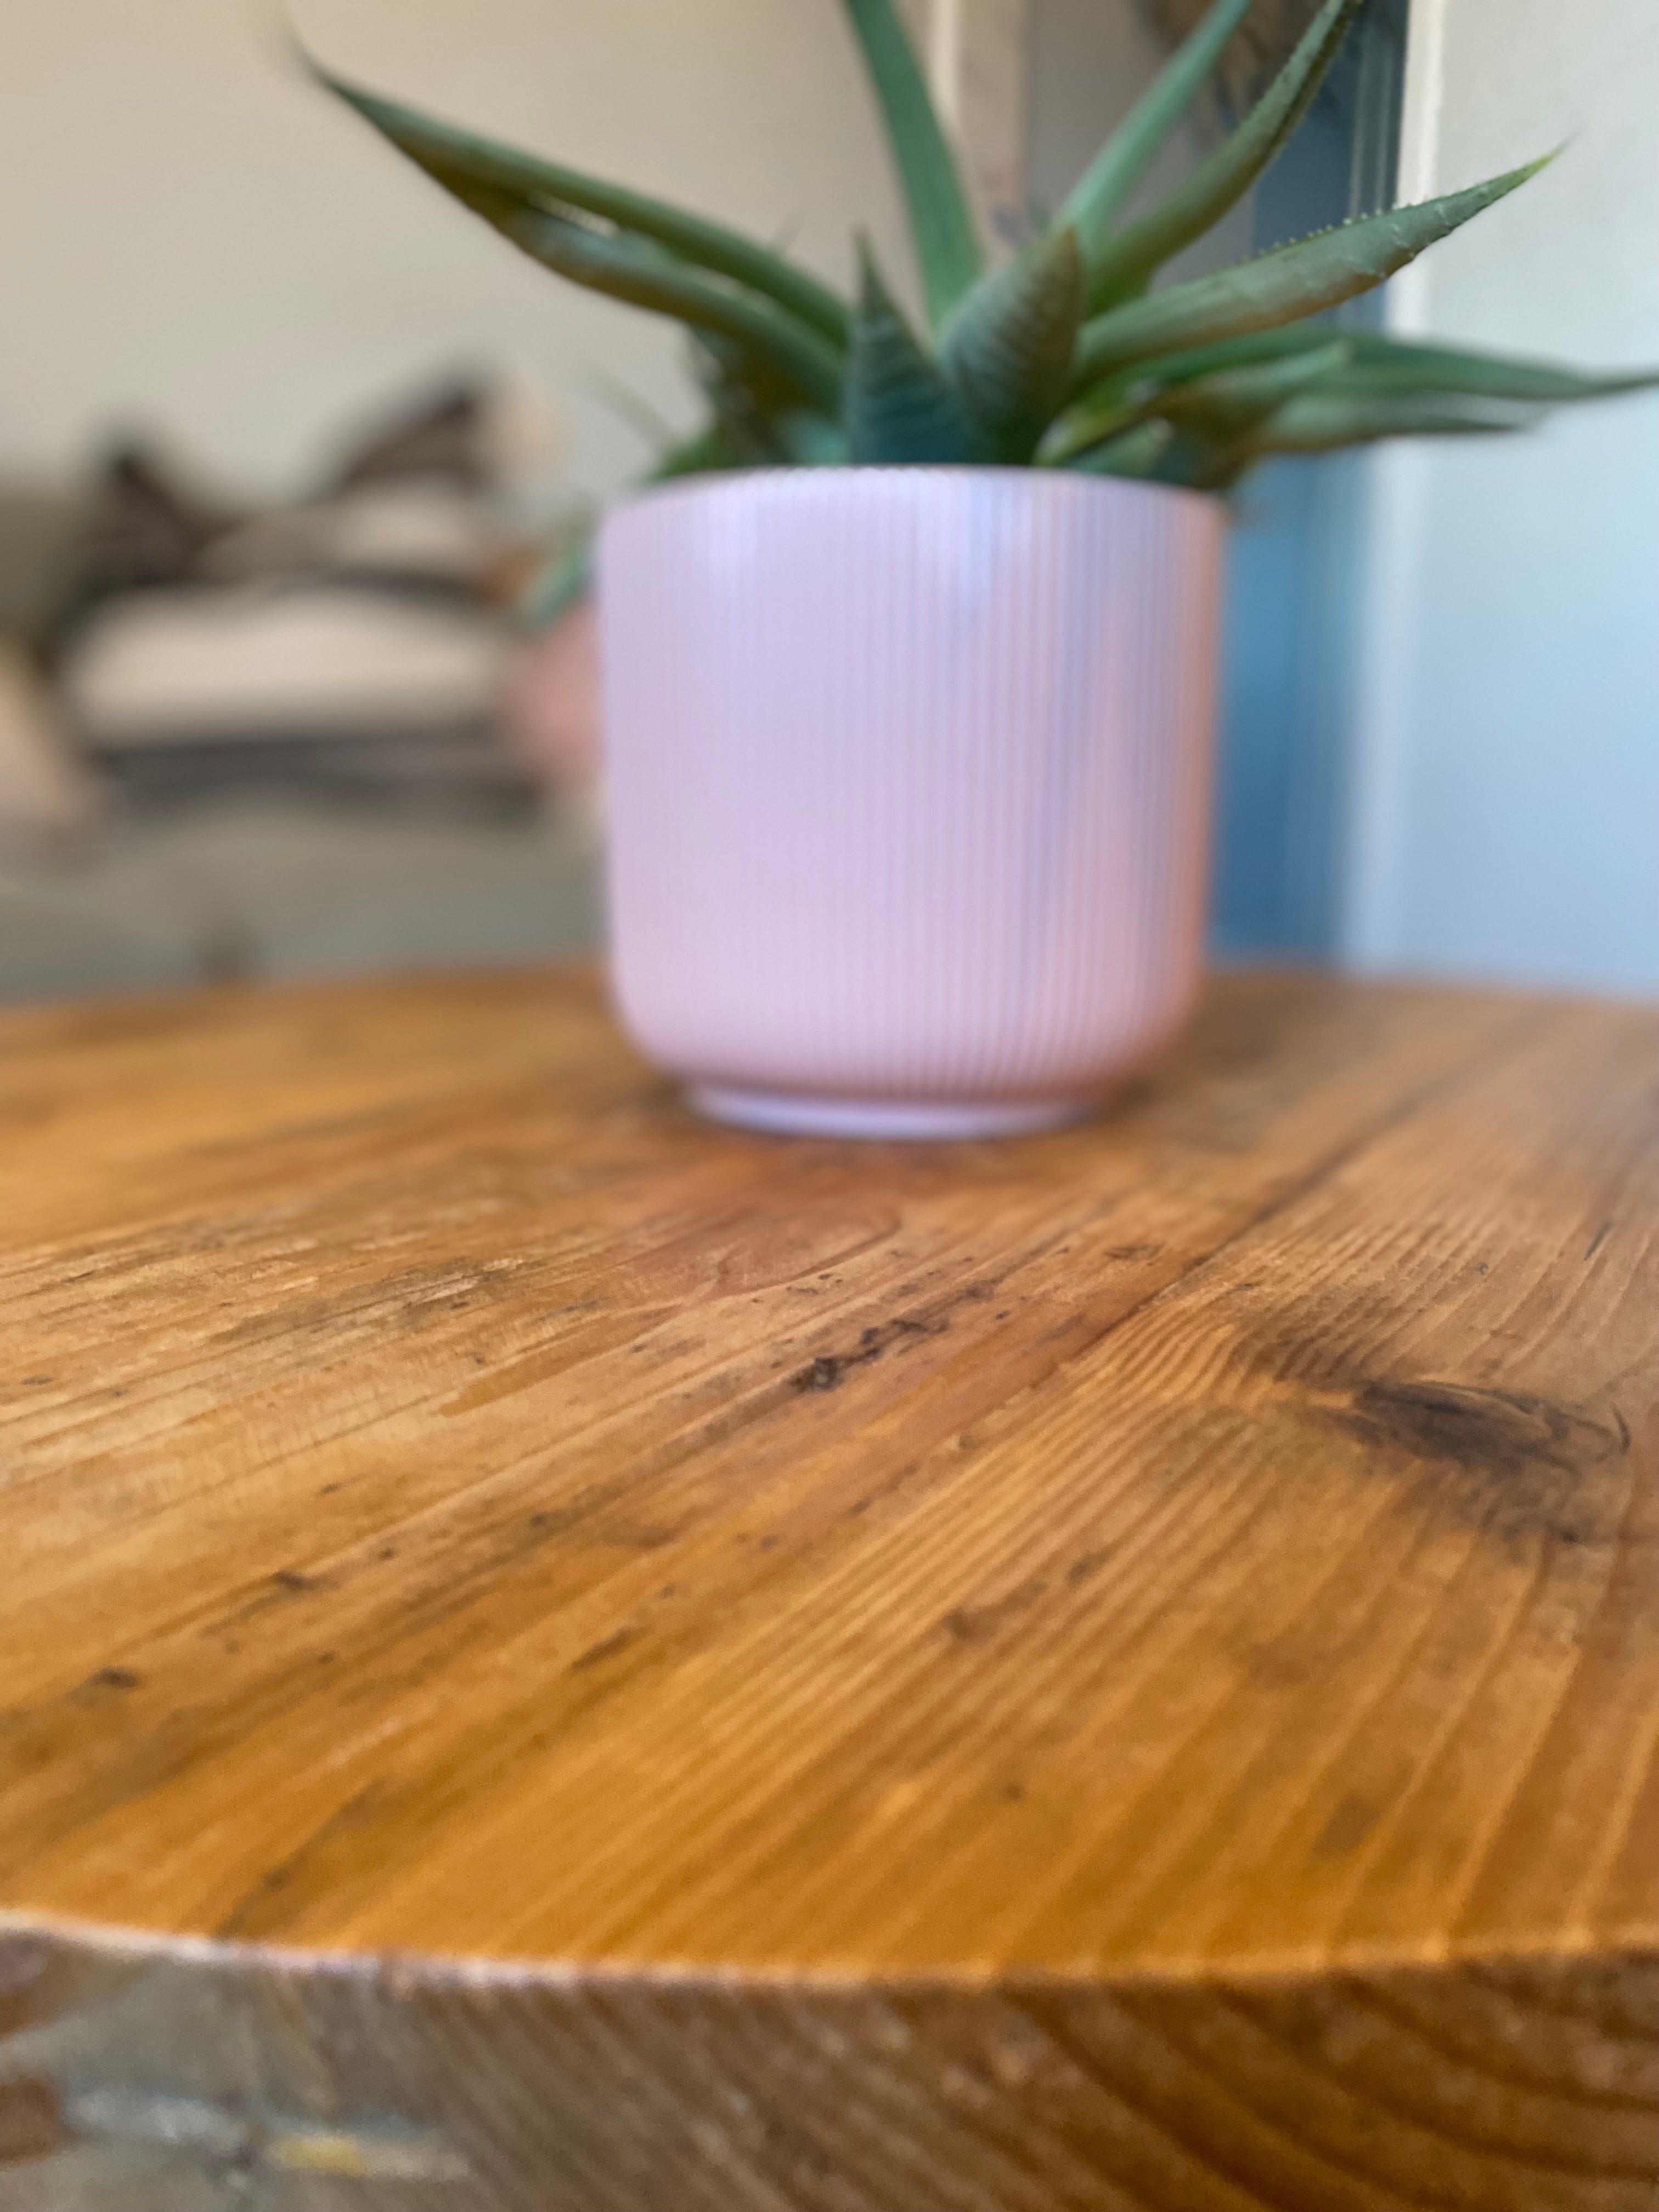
(728, 483)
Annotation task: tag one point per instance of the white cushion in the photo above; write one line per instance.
(294, 657)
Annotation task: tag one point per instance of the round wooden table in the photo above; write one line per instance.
(559, 1659)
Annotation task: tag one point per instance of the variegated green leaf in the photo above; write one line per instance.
(941, 221)
(1284, 286)
(444, 151)
(1008, 348)
(1120, 265)
(900, 408)
(1106, 184)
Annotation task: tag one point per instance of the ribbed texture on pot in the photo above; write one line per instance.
(908, 776)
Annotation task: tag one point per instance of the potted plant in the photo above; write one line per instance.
(909, 657)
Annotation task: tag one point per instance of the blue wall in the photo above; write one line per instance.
(1294, 596)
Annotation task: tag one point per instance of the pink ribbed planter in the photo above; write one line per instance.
(908, 782)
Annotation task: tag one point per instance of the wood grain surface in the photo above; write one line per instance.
(559, 1659)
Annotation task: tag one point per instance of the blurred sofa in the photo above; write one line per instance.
(276, 741)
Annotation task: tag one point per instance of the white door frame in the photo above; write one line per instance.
(977, 54)
(1380, 755)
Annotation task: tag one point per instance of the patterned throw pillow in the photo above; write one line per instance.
(351, 645)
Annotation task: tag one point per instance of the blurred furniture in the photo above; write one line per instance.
(280, 740)
(347, 641)
(563, 1660)
(271, 890)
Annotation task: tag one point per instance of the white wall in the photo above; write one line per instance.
(1506, 805)
(191, 236)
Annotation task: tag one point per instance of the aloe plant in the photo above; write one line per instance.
(1065, 356)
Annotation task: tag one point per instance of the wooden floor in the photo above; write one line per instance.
(558, 1659)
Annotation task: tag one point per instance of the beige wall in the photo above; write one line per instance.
(192, 238)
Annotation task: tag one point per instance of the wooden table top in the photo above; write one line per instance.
(556, 1656)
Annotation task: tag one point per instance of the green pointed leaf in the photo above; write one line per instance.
(1124, 262)
(758, 414)
(1203, 361)
(1284, 286)
(1377, 362)
(1108, 183)
(443, 151)
(1385, 364)
(1195, 459)
(1008, 348)
(1222, 404)
(747, 394)
(1156, 452)
(1136, 452)
(1233, 400)
(1320, 421)
(643, 275)
(1128, 395)
(900, 408)
(941, 221)
(1094, 420)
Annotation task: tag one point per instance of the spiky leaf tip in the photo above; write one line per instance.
(1286, 285)
(899, 409)
(1008, 349)
(1124, 261)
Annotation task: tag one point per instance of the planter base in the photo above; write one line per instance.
(795, 1113)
